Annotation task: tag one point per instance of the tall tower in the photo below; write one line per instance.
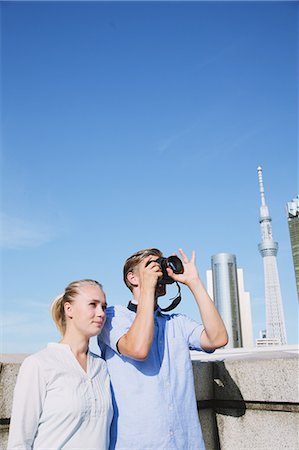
(226, 296)
(293, 220)
(268, 248)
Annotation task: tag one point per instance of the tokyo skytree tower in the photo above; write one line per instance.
(275, 325)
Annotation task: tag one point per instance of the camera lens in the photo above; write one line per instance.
(175, 264)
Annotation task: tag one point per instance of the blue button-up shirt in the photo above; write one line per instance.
(154, 400)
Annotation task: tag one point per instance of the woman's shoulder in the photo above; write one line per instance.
(33, 363)
(34, 357)
(41, 358)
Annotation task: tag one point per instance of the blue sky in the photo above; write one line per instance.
(128, 125)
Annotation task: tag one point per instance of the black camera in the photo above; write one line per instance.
(173, 262)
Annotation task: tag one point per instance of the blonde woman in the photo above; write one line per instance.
(62, 397)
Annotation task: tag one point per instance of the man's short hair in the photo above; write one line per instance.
(136, 259)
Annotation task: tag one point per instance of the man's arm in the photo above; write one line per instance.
(214, 334)
(136, 343)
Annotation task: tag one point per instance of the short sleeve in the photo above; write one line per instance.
(118, 323)
(193, 332)
(28, 399)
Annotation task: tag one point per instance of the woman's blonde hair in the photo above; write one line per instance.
(69, 295)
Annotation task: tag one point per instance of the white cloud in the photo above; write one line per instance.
(19, 233)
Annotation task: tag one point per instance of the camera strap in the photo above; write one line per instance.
(175, 301)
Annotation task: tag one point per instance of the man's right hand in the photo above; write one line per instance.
(149, 273)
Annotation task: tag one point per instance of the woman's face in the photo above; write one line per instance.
(88, 310)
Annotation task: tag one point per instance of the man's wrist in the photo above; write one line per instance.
(194, 283)
(147, 295)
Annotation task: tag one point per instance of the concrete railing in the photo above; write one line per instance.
(245, 400)
(251, 402)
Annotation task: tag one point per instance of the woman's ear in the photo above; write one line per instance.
(68, 310)
(132, 278)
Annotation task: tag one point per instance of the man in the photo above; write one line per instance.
(148, 358)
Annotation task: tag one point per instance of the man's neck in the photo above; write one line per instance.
(135, 301)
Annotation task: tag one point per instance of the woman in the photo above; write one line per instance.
(62, 397)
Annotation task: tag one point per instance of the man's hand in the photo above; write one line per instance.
(190, 274)
(149, 273)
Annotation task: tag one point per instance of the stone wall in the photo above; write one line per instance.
(9, 368)
(245, 403)
(249, 403)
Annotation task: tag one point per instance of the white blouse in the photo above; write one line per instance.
(57, 405)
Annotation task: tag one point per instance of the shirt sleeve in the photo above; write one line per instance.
(117, 324)
(193, 331)
(28, 399)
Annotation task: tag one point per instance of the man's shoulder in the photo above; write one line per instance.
(118, 314)
(116, 310)
(118, 321)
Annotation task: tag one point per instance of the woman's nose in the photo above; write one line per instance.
(100, 312)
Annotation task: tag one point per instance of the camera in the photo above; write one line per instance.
(173, 262)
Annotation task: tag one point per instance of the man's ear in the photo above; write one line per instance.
(132, 279)
(68, 310)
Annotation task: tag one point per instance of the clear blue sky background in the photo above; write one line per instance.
(129, 125)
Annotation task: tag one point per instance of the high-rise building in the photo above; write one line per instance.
(225, 285)
(293, 221)
(275, 324)
(245, 311)
(226, 297)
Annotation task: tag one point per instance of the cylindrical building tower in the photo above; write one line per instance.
(226, 296)
(268, 248)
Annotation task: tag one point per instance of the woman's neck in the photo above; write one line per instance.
(78, 344)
